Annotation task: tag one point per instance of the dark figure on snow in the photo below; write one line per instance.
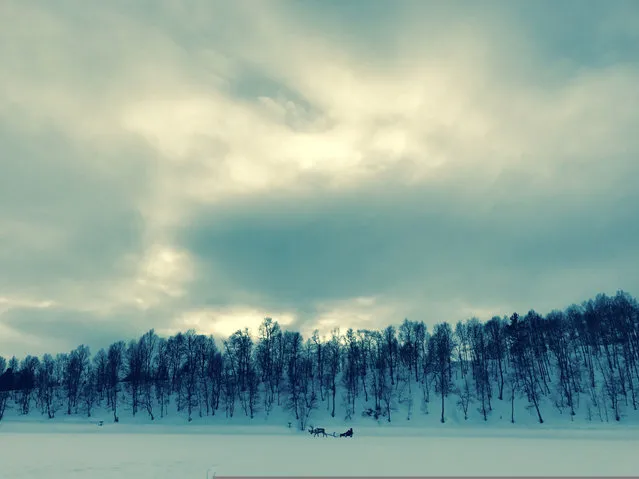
(348, 433)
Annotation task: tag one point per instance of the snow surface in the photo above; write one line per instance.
(170, 447)
(36, 450)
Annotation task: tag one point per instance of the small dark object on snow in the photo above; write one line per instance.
(348, 433)
(100, 423)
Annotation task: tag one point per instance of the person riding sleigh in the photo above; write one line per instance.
(348, 433)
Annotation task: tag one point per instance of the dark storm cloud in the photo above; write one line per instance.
(427, 245)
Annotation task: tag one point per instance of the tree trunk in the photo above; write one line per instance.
(443, 396)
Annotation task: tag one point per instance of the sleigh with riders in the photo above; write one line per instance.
(316, 431)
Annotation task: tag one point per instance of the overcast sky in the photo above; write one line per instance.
(204, 164)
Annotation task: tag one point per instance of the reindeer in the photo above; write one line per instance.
(317, 431)
(348, 433)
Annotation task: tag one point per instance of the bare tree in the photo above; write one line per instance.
(239, 348)
(89, 391)
(479, 361)
(215, 370)
(293, 355)
(147, 348)
(6, 385)
(190, 371)
(381, 376)
(512, 380)
(309, 398)
(48, 382)
(267, 352)
(4, 400)
(560, 345)
(205, 347)
(495, 330)
(75, 368)
(392, 350)
(442, 346)
(134, 377)
(522, 357)
(101, 370)
(465, 396)
(229, 382)
(26, 382)
(351, 372)
(333, 350)
(175, 354)
(161, 380)
(115, 363)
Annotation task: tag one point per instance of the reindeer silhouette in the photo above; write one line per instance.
(317, 431)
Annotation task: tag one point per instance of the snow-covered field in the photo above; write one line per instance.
(77, 450)
(76, 447)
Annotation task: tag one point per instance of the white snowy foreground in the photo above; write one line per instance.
(152, 451)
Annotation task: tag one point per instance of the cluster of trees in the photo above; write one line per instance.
(587, 353)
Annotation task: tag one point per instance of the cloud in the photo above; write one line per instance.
(419, 246)
(208, 163)
(56, 329)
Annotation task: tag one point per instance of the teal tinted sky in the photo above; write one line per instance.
(204, 164)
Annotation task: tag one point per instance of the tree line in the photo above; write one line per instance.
(586, 355)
